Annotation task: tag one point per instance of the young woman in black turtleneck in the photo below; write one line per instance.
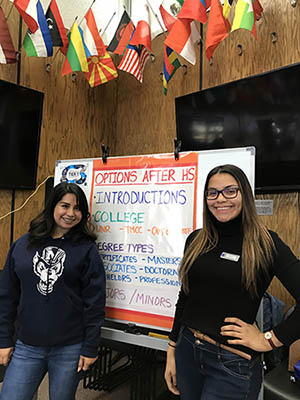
(215, 345)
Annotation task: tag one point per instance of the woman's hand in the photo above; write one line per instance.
(170, 371)
(246, 335)
(84, 363)
(5, 355)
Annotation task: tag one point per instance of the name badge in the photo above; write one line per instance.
(229, 256)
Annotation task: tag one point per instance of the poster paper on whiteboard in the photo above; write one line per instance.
(142, 210)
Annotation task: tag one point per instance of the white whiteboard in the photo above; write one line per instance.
(142, 210)
(243, 158)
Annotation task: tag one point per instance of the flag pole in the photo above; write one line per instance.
(109, 22)
(86, 12)
(9, 11)
(162, 28)
(156, 16)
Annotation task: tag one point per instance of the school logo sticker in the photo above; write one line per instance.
(74, 173)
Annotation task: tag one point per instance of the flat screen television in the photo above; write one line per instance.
(261, 111)
(20, 126)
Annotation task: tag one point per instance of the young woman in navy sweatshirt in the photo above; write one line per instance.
(53, 289)
(215, 345)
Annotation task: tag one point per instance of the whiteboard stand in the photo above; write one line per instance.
(135, 339)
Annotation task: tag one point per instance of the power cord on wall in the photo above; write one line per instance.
(26, 201)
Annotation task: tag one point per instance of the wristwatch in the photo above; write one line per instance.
(268, 336)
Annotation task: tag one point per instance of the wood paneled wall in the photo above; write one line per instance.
(146, 118)
(133, 118)
(285, 221)
(76, 121)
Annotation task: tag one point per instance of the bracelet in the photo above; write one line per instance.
(172, 345)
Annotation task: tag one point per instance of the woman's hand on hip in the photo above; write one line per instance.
(245, 334)
(5, 355)
(84, 363)
(170, 371)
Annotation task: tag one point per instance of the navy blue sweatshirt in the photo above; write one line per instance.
(55, 291)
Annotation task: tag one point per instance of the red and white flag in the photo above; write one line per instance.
(182, 38)
(28, 11)
(146, 23)
(91, 36)
(7, 51)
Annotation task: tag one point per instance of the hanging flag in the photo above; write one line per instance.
(194, 10)
(142, 34)
(7, 51)
(134, 61)
(169, 10)
(100, 64)
(28, 11)
(76, 59)
(257, 9)
(182, 38)
(218, 28)
(91, 36)
(244, 16)
(56, 27)
(39, 43)
(171, 64)
(106, 18)
(227, 7)
(101, 70)
(122, 36)
(146, 21)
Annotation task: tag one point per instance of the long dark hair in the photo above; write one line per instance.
(43, 225)
(258, 246)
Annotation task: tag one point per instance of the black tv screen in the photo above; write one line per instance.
(261, 111)
(20, 126)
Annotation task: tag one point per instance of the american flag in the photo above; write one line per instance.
(134, 61)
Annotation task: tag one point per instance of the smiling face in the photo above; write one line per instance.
(66, 215)
(224, 209)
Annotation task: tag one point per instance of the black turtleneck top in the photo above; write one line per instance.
(216, 290)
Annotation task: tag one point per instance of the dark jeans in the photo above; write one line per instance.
(208, 372)
(28, 366)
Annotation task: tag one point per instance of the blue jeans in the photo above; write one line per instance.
(29, 365)
(208, 372)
